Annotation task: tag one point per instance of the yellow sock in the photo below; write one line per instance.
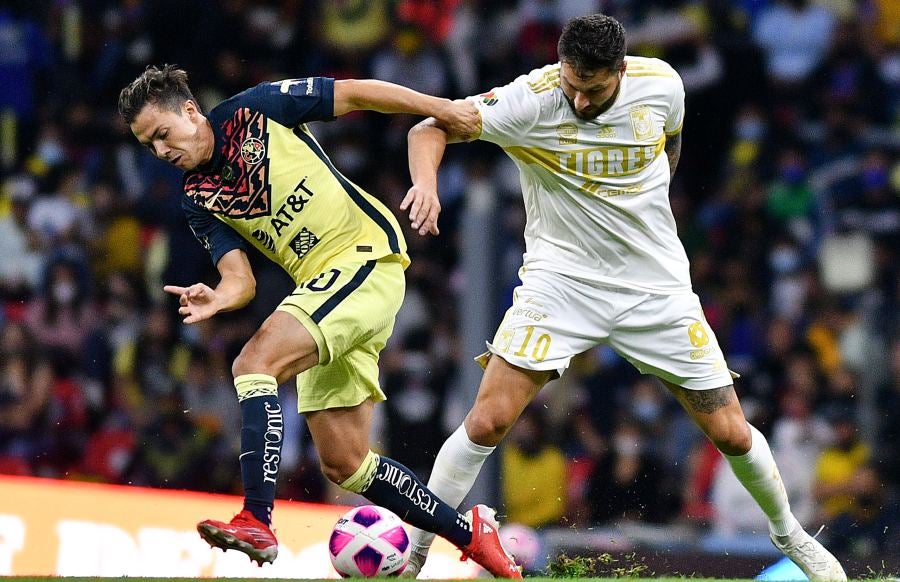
(253, 385)
(362, 478)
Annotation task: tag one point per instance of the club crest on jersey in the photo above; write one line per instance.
(252, 151)
(568, 133)
(489, 98)
(641, 122)
(504, 339)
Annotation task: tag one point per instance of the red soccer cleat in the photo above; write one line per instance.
(485, 548)
(243, 533)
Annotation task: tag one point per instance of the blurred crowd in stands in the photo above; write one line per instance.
(787, 199)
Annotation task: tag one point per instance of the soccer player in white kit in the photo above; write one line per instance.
(596, 138)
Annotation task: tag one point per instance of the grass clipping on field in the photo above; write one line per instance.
(604, 565)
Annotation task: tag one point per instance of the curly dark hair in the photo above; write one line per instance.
(166, 88)
(593, 42)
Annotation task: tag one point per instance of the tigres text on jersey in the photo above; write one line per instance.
(596, 191)
(270, 183)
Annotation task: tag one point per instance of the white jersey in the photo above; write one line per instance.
(596, 192)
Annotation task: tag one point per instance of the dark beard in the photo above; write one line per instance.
(603, 108)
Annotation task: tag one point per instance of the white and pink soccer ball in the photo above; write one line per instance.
(523, 543)
(369, 542)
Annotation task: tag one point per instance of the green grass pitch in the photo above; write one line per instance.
(535, 579)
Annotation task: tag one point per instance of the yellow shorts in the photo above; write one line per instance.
(350, 311)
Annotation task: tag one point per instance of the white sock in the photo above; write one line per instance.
(757, 472)
(455, 470)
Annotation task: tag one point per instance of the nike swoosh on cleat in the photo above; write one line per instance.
(212, 201)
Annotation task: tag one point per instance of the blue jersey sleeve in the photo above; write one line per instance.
(216, 237)
(292, 101)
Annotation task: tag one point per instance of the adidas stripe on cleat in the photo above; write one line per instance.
(243, 533)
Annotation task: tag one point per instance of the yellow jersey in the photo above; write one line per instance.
(270, 184)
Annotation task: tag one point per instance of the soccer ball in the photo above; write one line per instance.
(523, 542)
(367, 542)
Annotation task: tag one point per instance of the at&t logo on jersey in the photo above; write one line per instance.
(489, 98)
(253, 151)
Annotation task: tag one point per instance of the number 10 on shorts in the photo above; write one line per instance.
(538, 348)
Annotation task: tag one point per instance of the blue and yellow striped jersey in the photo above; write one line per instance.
(270, 182)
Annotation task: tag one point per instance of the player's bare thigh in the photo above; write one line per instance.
(281, 347)
(341, 436)
(504, 393)
(719, 415)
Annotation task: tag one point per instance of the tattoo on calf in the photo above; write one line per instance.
(708, 401)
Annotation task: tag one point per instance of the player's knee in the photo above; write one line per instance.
(732, 436)
(335, 472)
(337, 468)
(254, 359)
(248, 362)
(487, 427)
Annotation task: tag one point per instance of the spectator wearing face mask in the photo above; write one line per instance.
(533, 473)
(790, 196)
(795, 36)
(25, 386)
(849, 77)
(419, 379)
(874, 206)
(849, 490)
(20, 269)
(626, 481)
(62, 316)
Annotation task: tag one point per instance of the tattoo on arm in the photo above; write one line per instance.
(673, 151)
(708, 401)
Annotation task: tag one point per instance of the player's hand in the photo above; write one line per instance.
(197, 302)
(424, 208)
(461, 118)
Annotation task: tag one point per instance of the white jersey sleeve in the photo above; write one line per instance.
(675, 119)
(508, 113)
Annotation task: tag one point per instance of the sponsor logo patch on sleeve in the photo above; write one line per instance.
(489, 98)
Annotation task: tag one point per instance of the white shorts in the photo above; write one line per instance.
(555, 317)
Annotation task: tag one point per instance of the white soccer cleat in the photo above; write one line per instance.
(816, 562)
(414, 566)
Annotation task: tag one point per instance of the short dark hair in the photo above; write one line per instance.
(166, 88)
(593, 42)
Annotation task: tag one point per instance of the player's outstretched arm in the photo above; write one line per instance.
(235, 290)
(426, 143)
(353, 94)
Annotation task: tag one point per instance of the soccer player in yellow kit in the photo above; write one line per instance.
(254, 174)
(596, 138)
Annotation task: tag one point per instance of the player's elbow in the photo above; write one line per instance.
(242, 286)
(426, 127)
(348, 96)
(248, 286)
